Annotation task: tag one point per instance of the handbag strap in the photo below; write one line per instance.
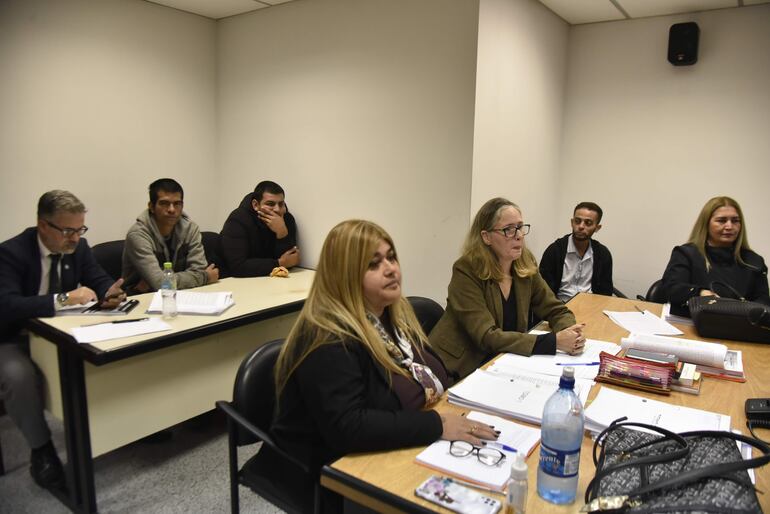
(712, 471)
(667, 435)
(738, 296)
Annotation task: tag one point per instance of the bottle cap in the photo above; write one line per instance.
(519, 467)
(167, 265)
(567, 380)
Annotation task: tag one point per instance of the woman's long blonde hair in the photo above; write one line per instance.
(334, 310)
(700, 231)
(481, 255)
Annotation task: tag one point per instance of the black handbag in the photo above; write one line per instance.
(727, 318)
(664, 472)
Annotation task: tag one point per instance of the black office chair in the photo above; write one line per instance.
(2, 466)
(428, 312)
(109, 255)
(248, 421)
(655, 293)
(210, 242)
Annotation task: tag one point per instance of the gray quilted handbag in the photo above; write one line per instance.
(664, 472)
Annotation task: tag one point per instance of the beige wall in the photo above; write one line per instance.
(519, 109)
(101, 98)
(651, 142)
(385, 110)
(359, 110)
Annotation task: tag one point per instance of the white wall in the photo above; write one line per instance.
(519, 109)
(359, 110)
(101, 98)
(651, 142)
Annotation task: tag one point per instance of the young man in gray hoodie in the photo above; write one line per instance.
(163, 233)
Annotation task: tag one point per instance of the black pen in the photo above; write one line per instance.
(129, 320)
(116, 321)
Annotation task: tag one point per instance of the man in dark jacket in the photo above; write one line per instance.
(576, 263)
(260, 234)
(42, 270)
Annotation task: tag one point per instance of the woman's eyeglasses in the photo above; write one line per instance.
(488, 456)
(510, 231)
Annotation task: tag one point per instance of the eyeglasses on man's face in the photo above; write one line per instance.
(487, 456)
(68, 232)
(510, 231)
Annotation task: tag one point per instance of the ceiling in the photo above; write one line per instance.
(576, 12)
(573, 12)
(216, 9)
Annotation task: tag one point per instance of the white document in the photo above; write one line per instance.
(643, 323)
(610, 405)
(513, 435)
(195, 302)
(688, 350)
(109, 330)
(673, 318)
(514, 393)
(586, 364)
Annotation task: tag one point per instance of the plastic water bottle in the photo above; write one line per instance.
(168, 291)
(516, 492)
(560, 439)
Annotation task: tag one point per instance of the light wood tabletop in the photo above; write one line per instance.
(394, 475)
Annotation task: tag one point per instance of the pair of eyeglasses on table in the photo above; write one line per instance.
(487, 456)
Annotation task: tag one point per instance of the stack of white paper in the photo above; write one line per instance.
(586, 364)
(514, 393)
(610, 405)
(109, 330)
(513, 435)
(194, 302)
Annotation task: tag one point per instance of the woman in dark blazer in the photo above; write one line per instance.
(356, 373)
(716, 260)
(494, 285)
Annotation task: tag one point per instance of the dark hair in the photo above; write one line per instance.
(591, 207)
(267, 186)
(58, 200)
(168, 185)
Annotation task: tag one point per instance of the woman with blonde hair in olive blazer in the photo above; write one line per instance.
(494, 286)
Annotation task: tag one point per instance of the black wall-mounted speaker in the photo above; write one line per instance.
(683, 43)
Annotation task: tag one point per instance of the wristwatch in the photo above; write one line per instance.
(62, 298)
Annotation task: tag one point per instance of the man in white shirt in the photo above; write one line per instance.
(576, 262)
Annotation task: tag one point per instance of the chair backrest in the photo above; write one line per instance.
(109, 255)
(211, 246)
(428, 312)
(656, 293)
(254, 390)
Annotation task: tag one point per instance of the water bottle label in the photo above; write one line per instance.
(559, 463)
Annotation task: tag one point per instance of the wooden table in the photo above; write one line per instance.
(114, 392)
(385, 481)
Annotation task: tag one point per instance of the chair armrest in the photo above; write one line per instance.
(640, 297)
(247, 425)
(617, 293)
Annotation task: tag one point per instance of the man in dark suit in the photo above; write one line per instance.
(42, 270)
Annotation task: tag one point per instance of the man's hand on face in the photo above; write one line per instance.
(274, 222)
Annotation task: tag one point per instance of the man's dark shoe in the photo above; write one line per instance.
(45, 467)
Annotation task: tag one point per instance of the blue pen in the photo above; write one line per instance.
(502, 446)
(578, 363)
